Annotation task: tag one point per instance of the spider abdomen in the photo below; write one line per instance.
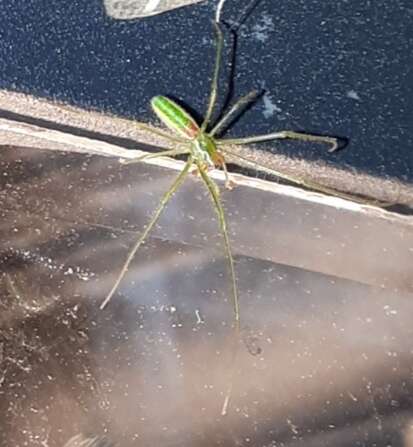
(175, 117)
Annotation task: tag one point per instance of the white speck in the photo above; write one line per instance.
(292, 426)
(269, 107)
(352, 94)
(52, 265)
(353, 397)
(225, 405)
(261, 31)
(199, 319)
(389, 311)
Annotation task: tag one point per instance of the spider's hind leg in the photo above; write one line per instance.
(166, 153)
(219, 161)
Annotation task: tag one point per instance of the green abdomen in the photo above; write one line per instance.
(175, 117)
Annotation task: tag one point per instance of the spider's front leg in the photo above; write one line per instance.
(217, 161)
(333, 142)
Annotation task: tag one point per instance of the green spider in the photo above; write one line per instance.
(206, 152)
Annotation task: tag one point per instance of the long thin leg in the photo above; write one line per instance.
(229, 184)
(166, 197)
(168, 153)
(251, 96)
(164, 134)
(214, 192)
(215, 196)
(244, 161)
(214, 82)
(284, 134)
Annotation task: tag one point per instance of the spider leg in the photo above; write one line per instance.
(216, 200)
(214, 82)
(235, 108)
(165, 199)
(166, 153)
(282, 135)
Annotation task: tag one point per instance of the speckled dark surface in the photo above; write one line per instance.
(341, 68)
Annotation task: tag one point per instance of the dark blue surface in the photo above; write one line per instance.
(341, 68)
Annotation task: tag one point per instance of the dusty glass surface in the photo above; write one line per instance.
(325, 293)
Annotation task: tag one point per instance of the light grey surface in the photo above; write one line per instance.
(131, 9)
